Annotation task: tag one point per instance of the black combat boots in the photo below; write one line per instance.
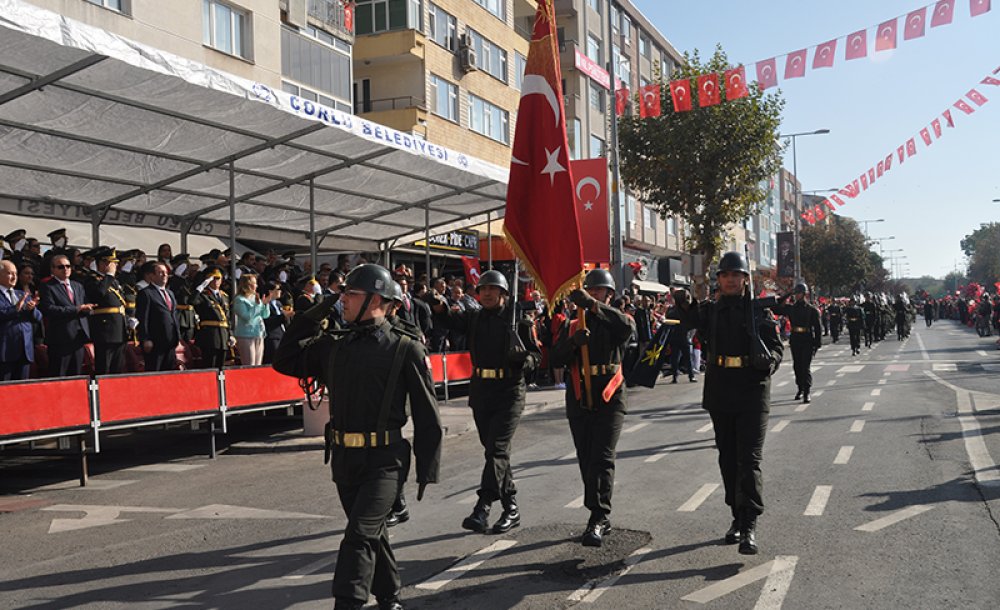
(510, 518)
(478, 521)
(748, 534)
(400, 513)
(597, 529)
(733, 533)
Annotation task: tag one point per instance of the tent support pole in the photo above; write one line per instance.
(489, 238)
(312, 225)
(185, 229)
(427, 241)
(232, 225)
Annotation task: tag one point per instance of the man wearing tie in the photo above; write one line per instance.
(17, 310)
(159, 327)
(67, 328)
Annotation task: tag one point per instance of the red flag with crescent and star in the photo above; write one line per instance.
(978, 7)
(708, 90)
(885, 37)
(736, 83)
(472, 273)
(540, 220)
(591, 177)
(944, 10)
(915, 23)
(649, 101)
(767, 73)
(621, 101)
(857, 45)
(795, 64)
(680, 92)
(825, 54)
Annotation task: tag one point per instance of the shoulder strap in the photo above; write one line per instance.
(390, 386)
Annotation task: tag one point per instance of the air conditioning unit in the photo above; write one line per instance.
(467, 59)
(465, 41)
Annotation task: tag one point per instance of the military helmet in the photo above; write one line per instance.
(802, 287)
(493, 278)
(599, 278)
(371, 278)
(397, 292)
(733, 261)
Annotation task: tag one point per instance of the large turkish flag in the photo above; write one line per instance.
(591, 177)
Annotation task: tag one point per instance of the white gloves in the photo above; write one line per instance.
(132, 323)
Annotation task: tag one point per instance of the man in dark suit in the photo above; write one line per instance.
(159, 327)
(107, 319)
(66, 312)
(423, 314)
(17, 310)
(276, 323)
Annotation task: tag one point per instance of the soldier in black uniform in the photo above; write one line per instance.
(182, 289)
(128, 278)
(107, 319)
(496, 393)
(740, 361)
(805, 340)
(211, 305)
(595, 421)
(872, 319)
(855, 317)
(370, 372)
(836, 319)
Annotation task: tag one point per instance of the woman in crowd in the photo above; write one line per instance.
(249, 311)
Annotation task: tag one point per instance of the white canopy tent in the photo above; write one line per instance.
(99, 128)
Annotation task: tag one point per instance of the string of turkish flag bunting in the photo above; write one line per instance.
(903, 151)
(855, 47)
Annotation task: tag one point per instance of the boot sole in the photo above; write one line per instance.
(502, 530)
(474, 527)
(745, 550)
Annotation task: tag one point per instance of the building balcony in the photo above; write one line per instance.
(565, 8)
(332, 15)
(390, 48)
(389, 104)
(407, 119)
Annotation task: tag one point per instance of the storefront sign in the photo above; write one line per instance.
(462, 241)
(591, 68)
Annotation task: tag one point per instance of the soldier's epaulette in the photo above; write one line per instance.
(405, 328)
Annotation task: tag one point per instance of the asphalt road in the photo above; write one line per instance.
(882, 493)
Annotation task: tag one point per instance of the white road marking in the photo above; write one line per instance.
(851, 368)
(946, 367)
(92, 485)
(724, 587)
(983, 466)
(893, 518)
(923, 350)
(781, 425)
(165, 467)
(698, 498)
(777, 584)
(982, 353)
(817, 393)
(839, 375)
(883, 381)
(311, 568)
(468, 564)
(868, 406)
(886, 374)
(569, 456)
(589, 593)
(783, 383)
(858, 425)
(577, 503)
(635, 428)
(705, 428)
(225, 511)
(831, 382)
(801, 408)
(469, 499)
(844, 455)
(877, 392)
(817, 504)
(899, 368)
(95, 516)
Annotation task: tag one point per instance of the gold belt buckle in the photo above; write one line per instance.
(733, 362)
(353, 440)
(490, 373)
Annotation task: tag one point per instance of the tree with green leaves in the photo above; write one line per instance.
(982, 247)
(836, 259)
(709, 166)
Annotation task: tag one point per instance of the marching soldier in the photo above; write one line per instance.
(211, 305)
(805, 340)
(370, 371)
(496, 393)
(744, 350)
(836, 319)
(855, 317)
(108, 326)
(595, 420)
(872, 318)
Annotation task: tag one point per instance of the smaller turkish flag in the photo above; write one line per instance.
(989, 80)
(976, 97)
(736, 83)
(911, 147)
(864, 182)
(915, 23)
(943, 12)
(979, 7)
(708, 90)
(809, 217)
(936, 126)
(471, 265)
(680, 92)
(838, 200)
(349, 16)
(767, 73)
(888, 162)
(880, 169)
(621, 101)
(850, 190)
(795, 64)
(857, 45)
(900, 152)
(650, 98)
(947, 118)
(825, 54)
(964, 107)
(871, 175)
(591, 176)
(885, 38)
(925, 134)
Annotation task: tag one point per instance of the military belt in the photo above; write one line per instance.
(214, 324)
(491, 373)
(800, 329)
(184, 307)
(603, 369)
(732, 362)
(357, 440)
(853, 319)
(107, 310)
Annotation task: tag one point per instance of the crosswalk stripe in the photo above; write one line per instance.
(777, 584)
(858, 425)
(844, 455)
(588, 594)
(698, 498)
(783, 383)
(883, 381)
(893, 518)
(945, 366)
(781, 425)
(831, 382)
(817, 393)
(727, 586)
(982, 353)
(466, 565)
(817, 504)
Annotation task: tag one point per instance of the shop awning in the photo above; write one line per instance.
(647, 287)
(93, 125)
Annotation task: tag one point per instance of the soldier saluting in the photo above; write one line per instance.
(370, 370)
(806, 338)
(107, 318)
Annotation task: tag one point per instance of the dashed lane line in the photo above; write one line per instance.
(945, 367)
(466, 565)
(698, 498)
(883, 381)
(817, 504)
(635, 428)
(577, 503)
(983, 467)
(877, 392)
(705, 428)
(831, 382)
(868, 406)
(714, 591)
(781, 425)
(777, 584)
(844, 455)
(801, 408)
(590, 592)
(893, 518)
(858, 425)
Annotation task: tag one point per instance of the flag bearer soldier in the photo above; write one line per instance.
(855, 317)
(108, 325)
(737, 395)
(496, 392)
(370, 370)
(180, 286)
(595, 420)
(211, 305)
(806, 338)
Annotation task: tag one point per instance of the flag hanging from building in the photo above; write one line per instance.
(540, 220)
(649, 101)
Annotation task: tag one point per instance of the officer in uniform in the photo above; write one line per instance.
(181, 287)
(872, 319)
(496, 393)
(107, 320)
(806, 338)
(740, 361)
(370, 371)
(855, 317)
(595, 420)
(836, 319)
(211, 305)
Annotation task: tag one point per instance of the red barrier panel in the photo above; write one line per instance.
(259, 385)
(125, 397)
(35, 406)
(437, 367)
(459, 366)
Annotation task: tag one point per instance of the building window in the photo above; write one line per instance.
(497, 7)
(489, 57)
(596, 95)
(624, 70)
(488, 120)
(594, 48)
(226, 29)
(648, 217)
(520, 64)
(671, 225)
(574, 130)
(318, 66)
(444, 98)
(644, 46)
(596, 147)
(630, 209)
(442, 27)
(596, 5)
(371, 16)
(627, 29)
(313, 96)
(118, 6)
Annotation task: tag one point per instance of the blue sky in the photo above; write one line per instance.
(871, 106)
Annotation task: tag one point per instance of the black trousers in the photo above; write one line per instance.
(739, 438)
(681, 352)
(835, 330)
(855, 337)
(161, 359)
(213, 358)
(595, 435)
(802, 355)
(15, 371)
(109, 358)
(365, 562)
(66, 364)
(496, 424)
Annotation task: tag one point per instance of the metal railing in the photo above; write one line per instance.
(331, 13)
(390, 103)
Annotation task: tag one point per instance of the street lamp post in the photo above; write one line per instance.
(891, 258)
(879, 241)
(795, 185)
(866, 222)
